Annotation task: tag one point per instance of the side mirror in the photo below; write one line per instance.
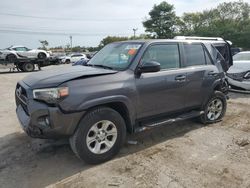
(151, 66)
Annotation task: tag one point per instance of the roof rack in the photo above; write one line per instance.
(198, 38)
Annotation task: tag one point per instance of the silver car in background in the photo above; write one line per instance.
(238, 75)
(14, 53)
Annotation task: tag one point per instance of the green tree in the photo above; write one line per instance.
(230, 21)
(44, 44)
(162, 22)
(110, 39)
(78, 49)
(194, 23)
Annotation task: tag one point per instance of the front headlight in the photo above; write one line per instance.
(51, 95)
(236, 76)
(247, 75)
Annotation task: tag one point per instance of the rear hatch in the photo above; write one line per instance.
(225, 50)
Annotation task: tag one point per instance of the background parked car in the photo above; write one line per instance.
(235, 50)
(56, 58)
(91, 54)
(73, 58)
(239, 74)
(81, 62)
(13, 53)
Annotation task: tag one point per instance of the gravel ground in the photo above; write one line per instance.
(186, 154)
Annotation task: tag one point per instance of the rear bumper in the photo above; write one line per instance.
(41, 121)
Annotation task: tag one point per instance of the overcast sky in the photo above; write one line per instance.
(87, 21)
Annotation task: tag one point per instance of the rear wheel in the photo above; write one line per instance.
(100, 135)
(28, 67)
(215, 108)
(42, 55)
(11, 58)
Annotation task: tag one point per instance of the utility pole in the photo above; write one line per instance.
(135, 31)
(70, 41)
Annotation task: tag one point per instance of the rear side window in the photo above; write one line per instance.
(20, 49)
(194, 55)
(77, 55)
(165, 54)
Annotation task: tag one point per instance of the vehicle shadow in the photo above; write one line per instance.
(15, 72)
(39, 163)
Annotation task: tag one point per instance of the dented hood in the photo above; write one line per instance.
(55, 77)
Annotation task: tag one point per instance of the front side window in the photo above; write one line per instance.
(165, 54)
(117, 56)
(194, 55)
(20, 49)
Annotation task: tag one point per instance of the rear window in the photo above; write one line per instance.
(194, 55)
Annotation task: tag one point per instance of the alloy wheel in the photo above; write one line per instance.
(101, 137)
(214, 110)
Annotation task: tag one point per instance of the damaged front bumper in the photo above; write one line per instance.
(48, 123)
(42, 121)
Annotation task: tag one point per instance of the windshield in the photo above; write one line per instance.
(242, 57)
(117, 56)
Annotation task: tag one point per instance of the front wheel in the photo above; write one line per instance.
(11, 58)
(99, 136)
(215, 108)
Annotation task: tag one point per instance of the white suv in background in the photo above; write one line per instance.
(73, 58)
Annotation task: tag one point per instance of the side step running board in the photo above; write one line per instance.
(182, 117)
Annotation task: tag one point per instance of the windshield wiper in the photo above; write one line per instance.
(102, 66)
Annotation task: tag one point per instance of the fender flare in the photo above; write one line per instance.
(111, 99)
(216, 83)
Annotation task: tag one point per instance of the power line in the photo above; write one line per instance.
(70, 19)
(56, 33)
(43, 29)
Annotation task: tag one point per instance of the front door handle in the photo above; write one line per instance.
(180, 78)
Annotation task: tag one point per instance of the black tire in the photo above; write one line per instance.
(28, 67)
(41, 55)
(67, 61)
(11, 58)
(206, 118)
(20, 67)
(78, 140)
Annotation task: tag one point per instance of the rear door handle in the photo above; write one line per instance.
(180, 78)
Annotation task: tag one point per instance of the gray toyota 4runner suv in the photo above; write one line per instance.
(126, 87)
